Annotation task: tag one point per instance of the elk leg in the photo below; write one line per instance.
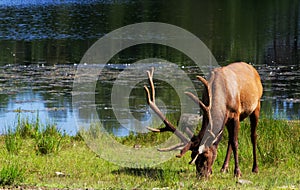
(233, 138)
(254, 121)
(227, 158)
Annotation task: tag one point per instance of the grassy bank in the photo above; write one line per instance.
(36, 156)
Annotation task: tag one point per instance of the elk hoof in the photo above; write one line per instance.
(224, 169)
(237, 173)
(255, 170)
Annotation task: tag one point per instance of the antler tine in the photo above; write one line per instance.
(148, 94)
(174, 147)
(150, 77)
(153, 106)
(185, 149)
(205, 82)
(196, 99)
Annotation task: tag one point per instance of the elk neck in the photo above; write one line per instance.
(215, 120)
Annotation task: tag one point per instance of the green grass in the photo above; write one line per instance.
(12, 142)
(48, 140)
(278, 156)
(11, 174)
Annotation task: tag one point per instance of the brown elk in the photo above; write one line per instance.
(231, 94)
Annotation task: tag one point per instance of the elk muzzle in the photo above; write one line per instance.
(204, 161)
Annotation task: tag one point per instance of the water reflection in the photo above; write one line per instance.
(31, 105)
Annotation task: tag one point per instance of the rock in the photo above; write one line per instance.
(60, 174)
(244, 182)
(137, 146)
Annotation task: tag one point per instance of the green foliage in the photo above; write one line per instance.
(48, 140)
(11, 175)
(278, 140)
(27, 129)
(78, 137)
(143, 139)
(13, 142)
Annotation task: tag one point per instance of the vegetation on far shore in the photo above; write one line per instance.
(37, 156)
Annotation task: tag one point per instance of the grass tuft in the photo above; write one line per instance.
(48, 140)
(278, 140)
(11, 175)
(27, 129)
(13, 142)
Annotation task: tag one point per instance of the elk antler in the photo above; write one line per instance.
(197, 100)
(205, 108)
(168, 125)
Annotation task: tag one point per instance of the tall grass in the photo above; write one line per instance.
(277, 141)
(13, 142)
(26, 128)
(11, 174)
(47, 138)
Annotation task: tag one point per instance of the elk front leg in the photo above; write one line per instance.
(227, 158)
(233, 138)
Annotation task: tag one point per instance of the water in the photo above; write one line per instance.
(41, 43)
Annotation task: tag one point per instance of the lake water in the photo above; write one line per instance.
(41, 45)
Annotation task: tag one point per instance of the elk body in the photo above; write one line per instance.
(231, 94)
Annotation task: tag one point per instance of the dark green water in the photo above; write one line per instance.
(40, 43)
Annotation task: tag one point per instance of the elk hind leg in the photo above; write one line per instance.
(253, 122)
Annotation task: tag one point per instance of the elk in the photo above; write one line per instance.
(231, 94)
